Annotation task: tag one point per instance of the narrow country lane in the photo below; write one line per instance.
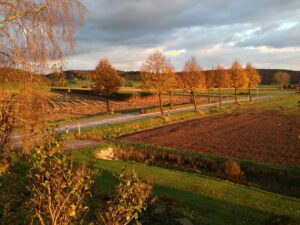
(99, 122)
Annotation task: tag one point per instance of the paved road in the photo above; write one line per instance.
(98, 122)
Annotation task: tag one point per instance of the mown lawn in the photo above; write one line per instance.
(214, 201)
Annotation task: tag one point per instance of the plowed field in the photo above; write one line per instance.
(77, 105)
(269, 137)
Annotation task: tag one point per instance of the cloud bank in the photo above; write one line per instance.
(265, 33)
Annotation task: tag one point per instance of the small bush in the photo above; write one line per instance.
(130, 199)
(233, 171)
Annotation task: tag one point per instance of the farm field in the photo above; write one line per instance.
(201, 199)
(266, 131)
(78, 105)
(73, 105)
(254, 133)
(154, 113)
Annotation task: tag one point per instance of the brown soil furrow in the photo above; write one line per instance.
(267, 137)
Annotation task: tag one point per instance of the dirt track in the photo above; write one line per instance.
(267, 137)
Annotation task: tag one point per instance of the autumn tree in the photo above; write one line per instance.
(254, 78)
(209, 82)
(192, 78)
(34, 34)
(282, 79)
(238, 78)
(173, 83)
(107, 80)
(221, 80)
(33, 37)
(156, 75)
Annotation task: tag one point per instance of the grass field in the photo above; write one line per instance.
(269, 86)
(79, 83)
(213, 201)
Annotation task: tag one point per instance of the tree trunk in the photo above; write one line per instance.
(194, 100)
(171, 99)
(220, 98)
(161, 105)
(250, 96)
(235, 96)
(107, 104)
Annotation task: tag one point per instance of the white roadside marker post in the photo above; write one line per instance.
(78, 127)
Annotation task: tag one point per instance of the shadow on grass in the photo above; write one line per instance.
(206, 210)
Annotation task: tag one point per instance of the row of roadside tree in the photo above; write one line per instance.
(159, 76)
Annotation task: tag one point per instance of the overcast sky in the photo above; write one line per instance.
(263, 32)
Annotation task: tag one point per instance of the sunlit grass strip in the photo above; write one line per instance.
(129, 127)
(275, 178)
(214, 201)
(279, 103)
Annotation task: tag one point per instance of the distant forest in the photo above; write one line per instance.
(267, 75)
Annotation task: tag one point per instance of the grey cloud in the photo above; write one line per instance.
(138, 25)
(275, 38)
(137, 22)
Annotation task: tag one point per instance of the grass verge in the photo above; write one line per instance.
(285, 104)
(214, 201)
(276, 178)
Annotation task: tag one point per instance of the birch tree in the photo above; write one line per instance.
(192, 79)
(238, 78)
(254, 78)
(209, 83)
(156, 75)
(221, 80)
(35, 33)
(173, 83)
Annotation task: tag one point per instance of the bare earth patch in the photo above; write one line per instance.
(268, 137)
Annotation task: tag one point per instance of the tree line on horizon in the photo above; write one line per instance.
(132, 76)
